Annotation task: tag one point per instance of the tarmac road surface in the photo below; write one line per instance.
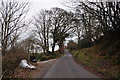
(66, 67)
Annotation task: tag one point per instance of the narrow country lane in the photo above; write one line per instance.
(66, 67)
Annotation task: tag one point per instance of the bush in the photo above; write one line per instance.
(11, 61)
(84, 43)
(71, 45)
(115, 61)
(43, 57)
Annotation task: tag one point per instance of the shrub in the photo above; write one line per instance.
(84, 43)
(115, 61)
(43, 57)
(11, 61)
(71, 45)
(39, 56)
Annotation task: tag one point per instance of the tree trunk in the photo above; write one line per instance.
(4, 46)
(53, 47)
(61, 46)
(44, 50)
(3, 51)
(61, 49)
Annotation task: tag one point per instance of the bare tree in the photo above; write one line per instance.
(107, 13)
(12, 15)
(98, 19)
(53, 25)
(42, 24)
(61, 26)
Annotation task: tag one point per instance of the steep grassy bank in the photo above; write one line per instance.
(103, 57)
(99, 61)
(105, 66)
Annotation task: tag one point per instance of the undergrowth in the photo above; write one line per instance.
(10, 62)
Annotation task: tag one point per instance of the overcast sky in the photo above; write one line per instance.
(37, 5)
